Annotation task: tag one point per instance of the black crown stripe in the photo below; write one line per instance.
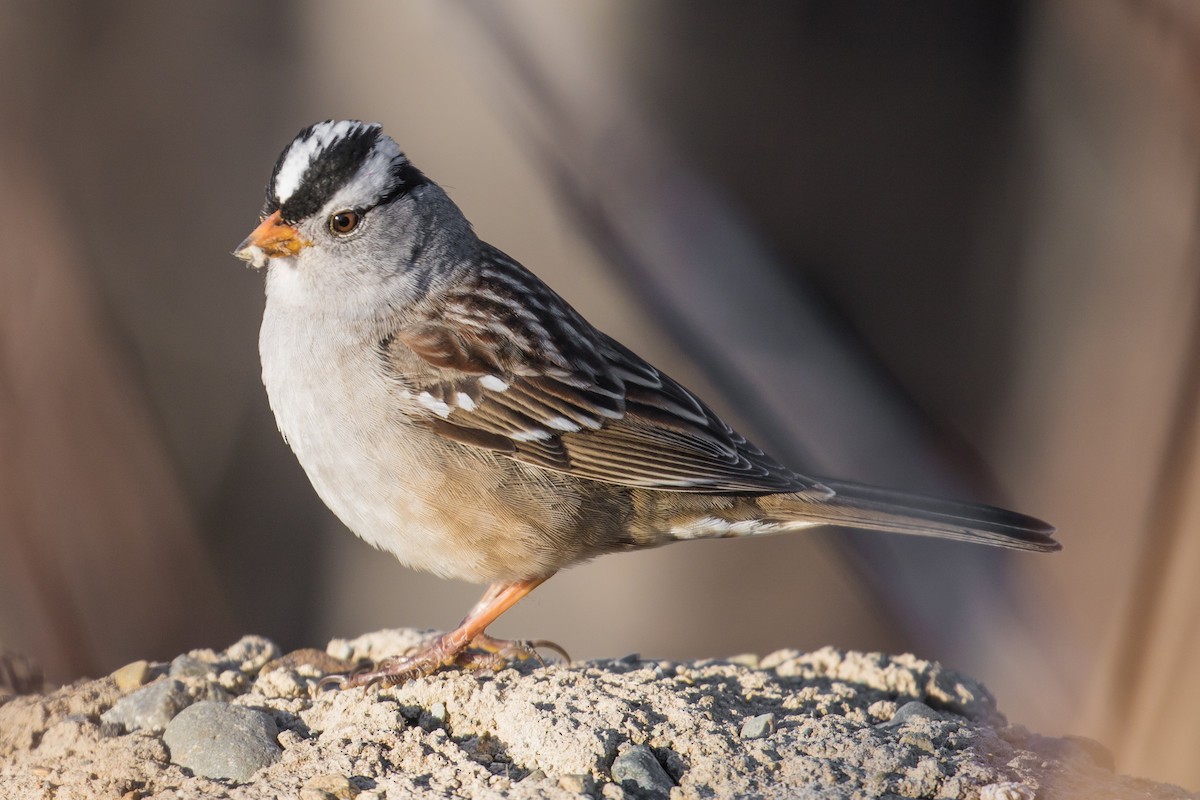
(332, 167)
(328, 172)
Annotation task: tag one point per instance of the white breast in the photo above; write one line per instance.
(346, 420)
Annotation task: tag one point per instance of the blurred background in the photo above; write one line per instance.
(939, 246)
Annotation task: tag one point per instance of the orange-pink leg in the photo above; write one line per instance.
(453, 648)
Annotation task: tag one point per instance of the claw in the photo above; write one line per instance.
(517, 649)
(337, 681)
(538, 644)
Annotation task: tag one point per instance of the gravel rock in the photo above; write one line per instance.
(914, 709)
(219, 740)
(640, 775)
(758, 727)
(132, 676)
(149, 708)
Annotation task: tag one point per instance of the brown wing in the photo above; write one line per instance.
(507, 365)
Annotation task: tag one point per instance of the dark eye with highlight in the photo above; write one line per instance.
(344, 222)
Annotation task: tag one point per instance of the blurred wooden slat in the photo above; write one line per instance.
(100, 555)
(101, 559)
(1136, 69)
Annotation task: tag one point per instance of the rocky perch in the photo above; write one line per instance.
(249, 723)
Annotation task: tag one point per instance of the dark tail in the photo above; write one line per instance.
(856, 505)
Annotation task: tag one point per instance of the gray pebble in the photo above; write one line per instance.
(758, 727)
(639, 774)
(149, 708)
(914, 709)
(219, 740)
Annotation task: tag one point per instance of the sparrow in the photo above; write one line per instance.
(452, 409)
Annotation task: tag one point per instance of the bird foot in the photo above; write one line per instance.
(447, 650)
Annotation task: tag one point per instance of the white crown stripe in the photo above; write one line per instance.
(303, 152)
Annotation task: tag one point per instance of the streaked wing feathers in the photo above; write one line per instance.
(546, 388)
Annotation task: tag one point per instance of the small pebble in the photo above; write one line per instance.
(132, 676)
(639, 774)
(438, 711)
(914, 709)
(149, 708)
(536, 775)
(758, 727)
(219, 740)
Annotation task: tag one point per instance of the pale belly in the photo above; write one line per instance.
(437, 506)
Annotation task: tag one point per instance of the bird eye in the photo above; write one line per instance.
(343, 222)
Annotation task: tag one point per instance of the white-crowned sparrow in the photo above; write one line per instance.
(453, 410)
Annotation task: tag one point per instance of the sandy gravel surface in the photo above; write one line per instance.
(247, 723)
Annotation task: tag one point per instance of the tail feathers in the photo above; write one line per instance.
(865, 507)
